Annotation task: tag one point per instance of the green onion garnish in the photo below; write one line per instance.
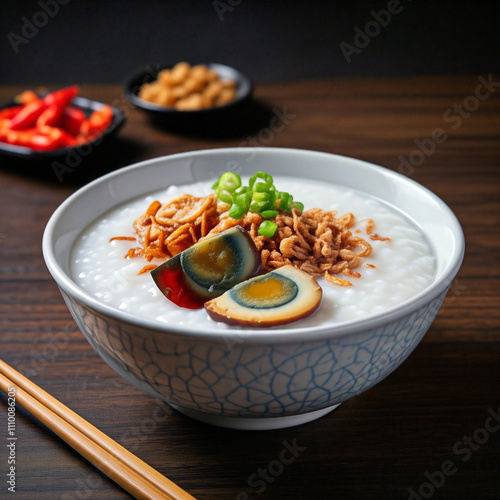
(236, 211)
(226, 185)
(260, 196)
(269, 214)
(267, 228)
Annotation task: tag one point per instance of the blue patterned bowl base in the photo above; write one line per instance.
(253, 386)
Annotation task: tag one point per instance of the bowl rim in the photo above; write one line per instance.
(79, 102)
(132, 96)
(261, 335)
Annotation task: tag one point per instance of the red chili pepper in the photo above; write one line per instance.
(57, 102)
(6, 116)
(72, 120)
(63, 138)
(42, 142)
(27, 117)
(82, 139)
(27, 96)
(20, 137)
(9, 113)
(50, 123)
(51, 116)
(98, 122)
(3, 133)
(67, 140)
(32, 139)
(62, 97)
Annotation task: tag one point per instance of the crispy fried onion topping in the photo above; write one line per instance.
(316, 241)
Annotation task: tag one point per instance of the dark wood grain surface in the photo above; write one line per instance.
(430, 429)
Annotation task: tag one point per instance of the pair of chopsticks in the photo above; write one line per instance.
(124, 468)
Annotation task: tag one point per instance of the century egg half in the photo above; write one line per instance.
(276, 298)
(208, 268)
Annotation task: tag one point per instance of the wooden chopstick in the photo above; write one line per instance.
(127, 470)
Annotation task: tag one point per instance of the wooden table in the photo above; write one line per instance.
(432, 428)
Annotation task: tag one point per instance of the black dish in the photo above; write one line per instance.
(218, 120)
(82, 150)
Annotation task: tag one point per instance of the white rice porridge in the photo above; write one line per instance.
(404, 266)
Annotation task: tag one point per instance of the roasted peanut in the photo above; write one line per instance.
(189, 88)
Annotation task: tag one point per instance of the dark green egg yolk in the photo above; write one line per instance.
(272, 290)
(212, 261)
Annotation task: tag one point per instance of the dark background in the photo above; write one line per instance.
(105, 41)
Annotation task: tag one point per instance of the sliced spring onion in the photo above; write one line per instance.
(260, 196)
(285, 201)
(267, 228)
(258, 206)
(237, 211)
(269, 214)
(268, 180)
(226, 185)
(228, 180)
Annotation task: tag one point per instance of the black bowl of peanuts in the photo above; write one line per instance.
(191, 98)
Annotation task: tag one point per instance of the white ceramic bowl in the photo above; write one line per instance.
(254, 379)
